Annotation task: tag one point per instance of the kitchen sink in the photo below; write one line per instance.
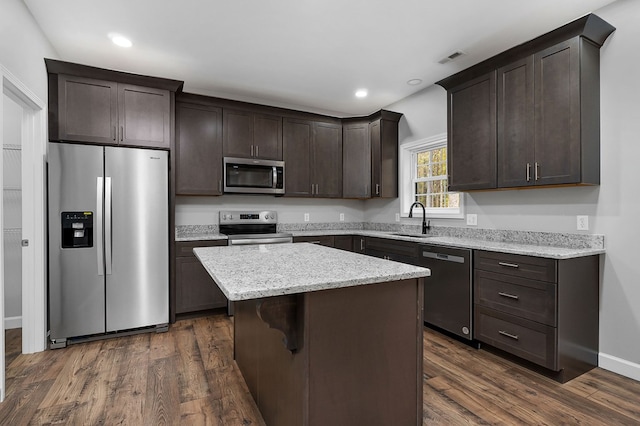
(403, 234)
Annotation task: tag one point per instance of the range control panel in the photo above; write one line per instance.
(230, 217)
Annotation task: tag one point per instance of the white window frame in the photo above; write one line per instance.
(407, 170)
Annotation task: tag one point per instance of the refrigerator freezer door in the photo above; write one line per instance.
(137, 288)
(76, 290)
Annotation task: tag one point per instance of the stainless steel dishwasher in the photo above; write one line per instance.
(448, 300)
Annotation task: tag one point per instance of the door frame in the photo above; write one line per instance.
(34, 150)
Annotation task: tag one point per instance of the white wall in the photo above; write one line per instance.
(23, 47)
(204, 210)
(613, 207)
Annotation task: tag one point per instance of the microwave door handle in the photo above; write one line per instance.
(275, 177)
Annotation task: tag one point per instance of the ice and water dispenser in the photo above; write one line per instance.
(77, 229)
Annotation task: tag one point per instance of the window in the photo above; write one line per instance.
(424, 179)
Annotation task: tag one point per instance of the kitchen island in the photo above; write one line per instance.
(324, 336)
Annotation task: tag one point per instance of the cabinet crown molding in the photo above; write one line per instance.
(61, 67)
(590, 27)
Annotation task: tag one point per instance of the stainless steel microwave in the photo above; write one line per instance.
(253, 176)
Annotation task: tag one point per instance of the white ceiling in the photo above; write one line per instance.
(305, 54)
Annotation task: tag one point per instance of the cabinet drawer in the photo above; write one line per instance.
(323, 240)
(391, 247)
(530, 299)
(535, 268)
(185, 248)
(527, 339)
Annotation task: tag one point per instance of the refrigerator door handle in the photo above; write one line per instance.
(99, 198)
(107, 224)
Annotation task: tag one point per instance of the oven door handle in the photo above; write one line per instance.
(254, 241)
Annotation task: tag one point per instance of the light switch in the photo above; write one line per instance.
(472, 219)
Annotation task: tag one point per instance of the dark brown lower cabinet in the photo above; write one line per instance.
(347, 356)
(323, 240)
(542, 310)
(343, 242)
(399, 251)
(195, 289)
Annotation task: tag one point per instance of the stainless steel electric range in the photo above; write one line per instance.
(245, 227)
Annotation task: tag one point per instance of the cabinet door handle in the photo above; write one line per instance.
(115, 134)
(257, 152)
(528, 172)
(312, 188)
(510, 296)
(362, 244)
(509, 335)
(537, 171)
(314, 242)
(121, 133)
(252, 150)
(377, 189)
(509, 265)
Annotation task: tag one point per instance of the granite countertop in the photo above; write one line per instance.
(556, 246)
(251, 272)
(551, 252)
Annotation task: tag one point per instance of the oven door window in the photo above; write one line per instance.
(249, 176)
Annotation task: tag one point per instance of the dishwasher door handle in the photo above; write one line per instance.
(442, 256)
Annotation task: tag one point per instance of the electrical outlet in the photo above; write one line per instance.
(583, 223)
(397, 217)
(341, 217)
(472, 219)
(306, 217)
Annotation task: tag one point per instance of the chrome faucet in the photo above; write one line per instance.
(424, 216)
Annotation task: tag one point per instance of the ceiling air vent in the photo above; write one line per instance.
(454, 55)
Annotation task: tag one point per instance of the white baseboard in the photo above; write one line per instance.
(12, 322)
(619, 366)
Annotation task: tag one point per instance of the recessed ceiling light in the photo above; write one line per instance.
(361, 93)
(414, 82)
(120, 40)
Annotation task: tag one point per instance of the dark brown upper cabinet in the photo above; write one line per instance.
(251, 135)
(198, 151)
(106, 112)
(356, 152)
(94, 105)
(516, 154)
(370, 149)
(313, 158)
(529, 116)
(567, 113)
(471, 144)
(383, 132)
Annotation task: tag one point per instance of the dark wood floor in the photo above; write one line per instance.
(187, 376)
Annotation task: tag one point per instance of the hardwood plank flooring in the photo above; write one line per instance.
(188, 377)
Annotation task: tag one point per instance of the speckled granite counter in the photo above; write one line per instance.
(539, 244)
(551, 252)
(251, 272)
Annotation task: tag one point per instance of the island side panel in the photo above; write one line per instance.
(365, 354)
(274, 375)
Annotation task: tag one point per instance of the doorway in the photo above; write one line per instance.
(12, 224)
(22, 207)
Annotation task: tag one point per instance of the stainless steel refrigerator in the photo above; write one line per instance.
(108, 240)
